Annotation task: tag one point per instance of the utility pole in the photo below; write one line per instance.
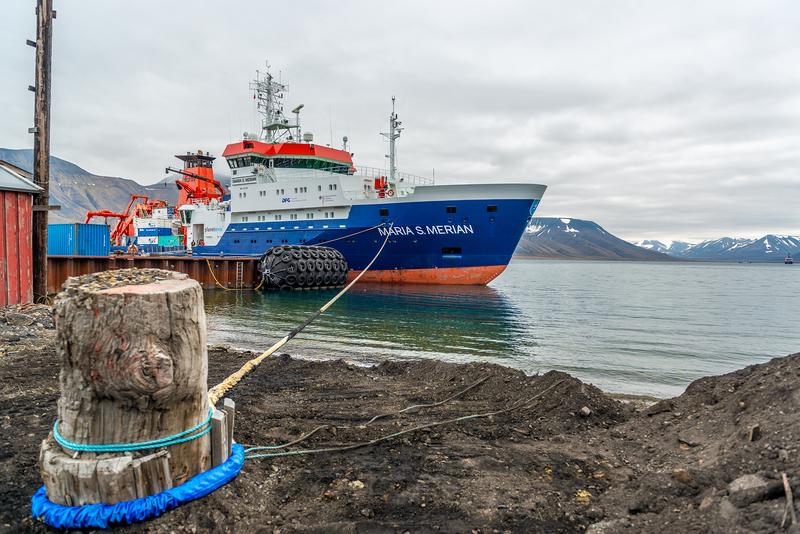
(41, 143)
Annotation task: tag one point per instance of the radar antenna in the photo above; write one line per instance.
(392, 136)
(268, 93)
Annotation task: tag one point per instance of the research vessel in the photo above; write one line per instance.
(288, 190)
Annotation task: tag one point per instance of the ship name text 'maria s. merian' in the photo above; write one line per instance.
(287, 190)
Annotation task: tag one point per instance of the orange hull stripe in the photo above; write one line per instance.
(465, 276)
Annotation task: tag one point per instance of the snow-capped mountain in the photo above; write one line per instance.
(771, 247)
(548, 237)
(673, 248)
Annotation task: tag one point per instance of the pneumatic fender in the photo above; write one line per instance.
(302, 267)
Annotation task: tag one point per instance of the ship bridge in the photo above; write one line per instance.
(289, 155)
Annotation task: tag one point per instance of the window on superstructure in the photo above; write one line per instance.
(278, 217)
(293, 216)
(295, 190)
(309, 215)
(319, 188)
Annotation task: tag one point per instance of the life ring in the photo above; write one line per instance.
(390, 193)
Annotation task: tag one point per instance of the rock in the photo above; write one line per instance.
(706, 503)
(19, 319)
(681, 475)
(356, 484)
(727, 510)
(752, 488)
(586, 411)
(608, 526)
(661, 406)
(691, 438)
(754, 433)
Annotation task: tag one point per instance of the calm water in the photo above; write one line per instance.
(647, 328)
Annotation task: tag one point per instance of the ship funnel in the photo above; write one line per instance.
(308, 137)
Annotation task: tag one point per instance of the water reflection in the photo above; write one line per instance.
(372, 322)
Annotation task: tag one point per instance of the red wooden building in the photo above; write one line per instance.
(16, 218)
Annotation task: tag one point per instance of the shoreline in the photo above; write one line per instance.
(575, 460)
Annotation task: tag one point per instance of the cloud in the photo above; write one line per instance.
(672, 120)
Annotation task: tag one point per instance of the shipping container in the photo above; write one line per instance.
(78, 239)
(153, 231)
(147, 240)
(169, 240)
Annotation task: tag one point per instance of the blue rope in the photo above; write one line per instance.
(175, 439)
(128, 512)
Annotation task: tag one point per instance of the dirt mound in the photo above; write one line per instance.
(545, 405)
(569, 405)
(715, 455)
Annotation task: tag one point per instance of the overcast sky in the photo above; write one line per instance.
(668, 119)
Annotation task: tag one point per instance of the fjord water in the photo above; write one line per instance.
(629, 327)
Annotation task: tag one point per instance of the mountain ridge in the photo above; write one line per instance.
(570, 238)
(768, 248)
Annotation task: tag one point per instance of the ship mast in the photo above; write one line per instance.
(392, 136)
(268, 93)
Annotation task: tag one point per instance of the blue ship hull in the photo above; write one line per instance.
(464, 241)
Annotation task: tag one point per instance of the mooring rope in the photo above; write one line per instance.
(218, 391)
(521, 403)
(201, 428)
(214, 276)
(375, 418)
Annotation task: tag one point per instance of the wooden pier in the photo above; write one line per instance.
(231, 272)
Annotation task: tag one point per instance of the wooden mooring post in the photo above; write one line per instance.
(134, 363)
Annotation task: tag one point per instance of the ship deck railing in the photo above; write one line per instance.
(371, 173)
(404, 177)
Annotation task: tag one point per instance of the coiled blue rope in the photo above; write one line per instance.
(201, 428)
(128, 512)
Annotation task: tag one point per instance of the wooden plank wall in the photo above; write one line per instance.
(59, 268)
(16, 259)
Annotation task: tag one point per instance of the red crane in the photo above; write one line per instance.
(124, 226)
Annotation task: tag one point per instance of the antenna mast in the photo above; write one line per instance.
(392, 136)
(269, 97)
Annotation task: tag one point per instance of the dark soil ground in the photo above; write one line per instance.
(545, 467)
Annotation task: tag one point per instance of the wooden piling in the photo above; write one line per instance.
(229, 407)
(134, 366)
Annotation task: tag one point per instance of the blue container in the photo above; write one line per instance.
(151, 232)
(78, 239)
